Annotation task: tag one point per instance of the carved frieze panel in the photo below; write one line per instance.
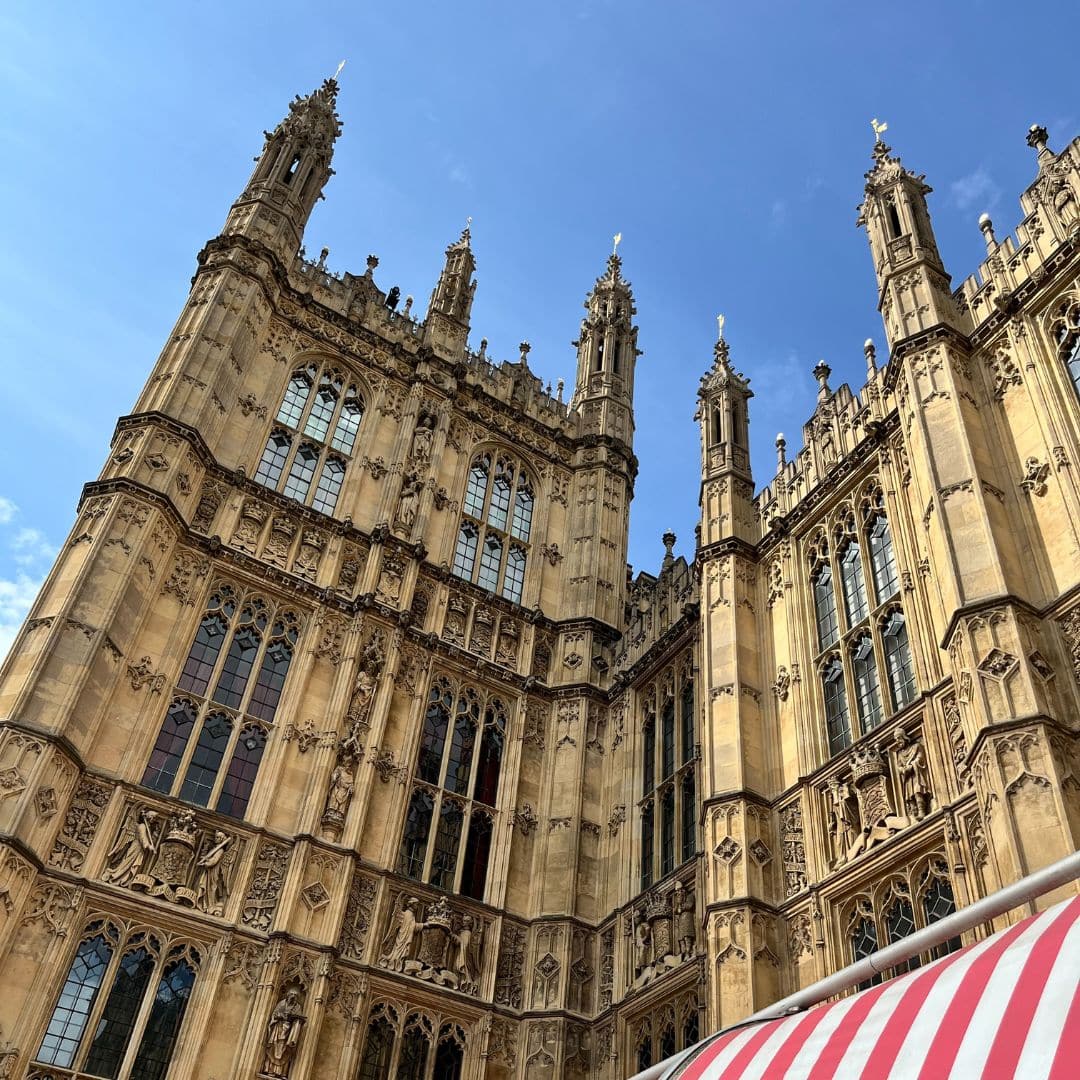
(358, 914)
(80, 825)
(261, 899)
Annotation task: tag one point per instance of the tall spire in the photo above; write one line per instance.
(447, 324)
(290, 173)
(914, 289)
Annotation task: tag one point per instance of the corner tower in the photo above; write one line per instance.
(607, 356)
(290, 174)
(914, 290)
(447, 324)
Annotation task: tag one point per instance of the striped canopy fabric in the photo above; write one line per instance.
(1008, 1006)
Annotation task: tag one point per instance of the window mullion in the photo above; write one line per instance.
(504, 557)
(851, 685)
(226, 760)
(432, 837)
(885, 690)
(459, 865)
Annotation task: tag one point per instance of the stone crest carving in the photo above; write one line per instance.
(442, 946)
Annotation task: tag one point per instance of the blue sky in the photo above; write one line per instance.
(726, 142)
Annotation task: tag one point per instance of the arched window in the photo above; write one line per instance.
(1065, 330)
(102, 1008)
(496, 525)
(668, 805)
(691, 1029)
(647, 853)
(219, 769)
(837, 718)
(415, 1046)
(894, 638)
(689, 816)
(873, 629)
(879, 541)
(449, 1054)
(378, 1048)
(666, 1046)
(899, 920)
(867, 691)
(449, 824)
(937, 902)
(862, 933)
(644, 1051)
(314, 434)
(828, 629)
(854, 587)
(667, 830)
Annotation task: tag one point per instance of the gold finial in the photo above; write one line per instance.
(720, 327)
(618, 240)
(468, 222)
(879, 127)
(338, 72)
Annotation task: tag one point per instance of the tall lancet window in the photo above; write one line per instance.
(121, 1007)
(223, 706)
(863, 652)
(492, 546)
(313, 437)
(1065, 329)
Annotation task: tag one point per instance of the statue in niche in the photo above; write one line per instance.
(408, 504)
(422, 439)
(642, 947)
(682, 903)
(467, 958)
(843, 819)
(283, 1034)
(915, 791)
(211, 891)
(342, 786)
(398, 944)
(132, 852)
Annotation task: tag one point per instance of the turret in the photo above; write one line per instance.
(723, 412)
(290, 174)
(914, 290)
(607, 356)
(447, 323)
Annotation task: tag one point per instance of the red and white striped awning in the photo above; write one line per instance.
(1007, 1006)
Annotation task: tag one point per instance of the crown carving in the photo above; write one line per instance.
(866, 762)
(656, 906)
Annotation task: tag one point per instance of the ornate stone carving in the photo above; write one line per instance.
(283, 1033)
(525, 819)
(340, 793)
(353, 560)
(682, 906)
(618, 816)
(443, 948)
(1034, 478)
(354, 929)
(510, 967)
(801, 938)
(187, 570)
(782, 686)
(280, 540)
(143, 674)
(309, 554)
(173, 858)
(913, 775)
(80, 825)
(249, 528)
(391, 577)
(261, 900)
(51, 905)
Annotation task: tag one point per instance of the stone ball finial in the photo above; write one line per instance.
(525, 348)
(781, 450)
(870, 352)
(668, 540)
(987, 227)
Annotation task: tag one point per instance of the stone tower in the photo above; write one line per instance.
(341, 739)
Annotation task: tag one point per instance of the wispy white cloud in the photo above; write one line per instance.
(976, 189)
(31, 554)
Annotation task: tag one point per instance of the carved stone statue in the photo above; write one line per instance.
(843, 819)
(682, 903)
(362, 695)
(211, 890)
(408, 503)
(398, 944)
(342, 785)
(423, 437)
(283, 1034)
(132, 852)
(467, 955)
(642, 947)
(915, 790)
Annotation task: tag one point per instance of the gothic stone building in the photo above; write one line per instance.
(340, 742)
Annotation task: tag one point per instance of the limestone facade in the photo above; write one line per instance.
(341, 742)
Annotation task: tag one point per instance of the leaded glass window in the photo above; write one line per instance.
(854, 587)
(894, 639)
(828, 629)
(105, 1006)
(314, 434)
(448, 827)
(496, 525)
(867, 691)
(837, 718)
(234, 641)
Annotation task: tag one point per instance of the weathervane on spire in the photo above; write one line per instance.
(468, 222)
(879, 127)
(338, 72)
(720, 320)
(617, 241)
